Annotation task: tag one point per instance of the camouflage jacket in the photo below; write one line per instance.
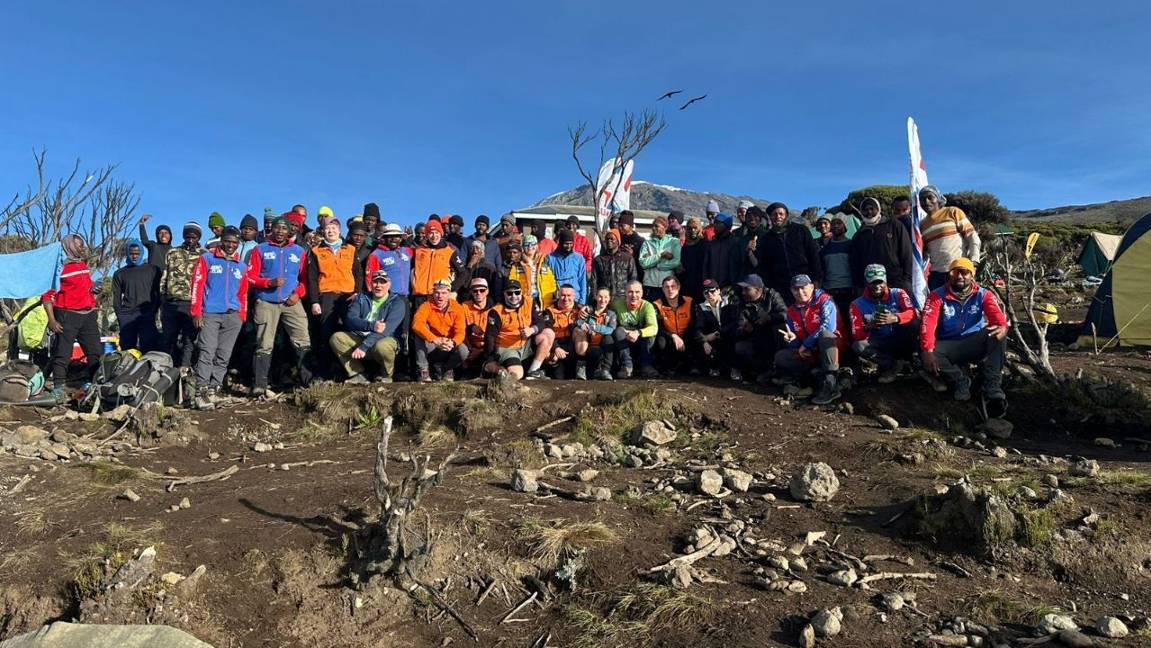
(176, 284)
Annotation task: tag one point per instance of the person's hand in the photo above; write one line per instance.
(447, 344)
(316, 310)
(930, 363)
(804, 352)
(55, 326)
(666, 254)
(711, 337)
(678, 342)
(997, 332)
(632, 336)
(626, 247)
(145, 218)
(884, 318)
(751, 244)
(707, 348)
(292, 300)
(527, 331)
(559, 353)
(198, 321)
(379, 326)
(788, 335)
(276, 283)
(358, 354)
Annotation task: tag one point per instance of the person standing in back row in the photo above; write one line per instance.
(659, 257)
(330, 284)
(135, 299)
(947, 236)
(158, 249)
(176, 295)
(784, 251)
(277, 271)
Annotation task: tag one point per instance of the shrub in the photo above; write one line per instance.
(885, 194)
(980, 206)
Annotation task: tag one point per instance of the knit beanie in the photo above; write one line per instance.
(249, 221)
(482, 218)
(712, 207)
(216, 220)
(372, 210)
(192, 227)
(566, 235)
(435, 224)
(357, 226)
(269, 214)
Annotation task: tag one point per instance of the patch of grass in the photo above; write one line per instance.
(31, 522)
(433, 436)
(488, 473)
(1122, 478)
(476, 520)
(1037, 526)
(522, 453)
(551, 539)
(341, 407)
(613, 416)
(117, 545)
(997, 607)
(477, 415)
(106, 473)
(17, 559)
(890, 447)
(637, 614)
(655, 504)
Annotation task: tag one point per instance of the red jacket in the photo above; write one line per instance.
(945, 317)
(583, 246)
(75, 291)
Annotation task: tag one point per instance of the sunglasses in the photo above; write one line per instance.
(511, 292)
(479, 289)
(382, 280)
(711, 290)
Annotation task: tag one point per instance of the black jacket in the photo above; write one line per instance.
(691, 275)
(613, 271)
(766, 315)
(136, 288)
(717, 260)
(889, 244)
(707, 320)
(636, 242)
(782, 254)
(157, 252)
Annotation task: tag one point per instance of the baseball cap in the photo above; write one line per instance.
(530, 240)
(723, 218)
(751, 281)
(479, 281)
(874, 272)
(443, 283)
(709, 284)
(800, 280)
(962, 263)
(381, 274)
(511, 285)
(392, 229)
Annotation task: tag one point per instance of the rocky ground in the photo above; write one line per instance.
(640, 513)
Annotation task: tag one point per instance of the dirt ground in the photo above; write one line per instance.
(279, 545)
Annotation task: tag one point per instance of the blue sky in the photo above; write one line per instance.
(463, 107)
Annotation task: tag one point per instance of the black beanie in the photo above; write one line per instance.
(249, 221)
(357, 226)
(566, 235)
(372, 209)
(163, 228)
(483, 218)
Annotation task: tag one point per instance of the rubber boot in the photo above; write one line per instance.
(302, 357)
(261, 364)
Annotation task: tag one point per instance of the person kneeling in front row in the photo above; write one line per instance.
(373, 323)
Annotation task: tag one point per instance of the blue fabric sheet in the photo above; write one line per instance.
(31, 273)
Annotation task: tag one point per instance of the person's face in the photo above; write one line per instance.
(229, 244)
(513, 297)
(331, 232)
(481, 228)
(568, 246)
(280, 232)
(658, 228)
(419, 231)
(778, 217)
(477, 253)
(870, 210)
(248, 233)
(902, 207)
(823, 227)
(191, 238)
(721, 227)
(712, 295)
(301, 210)
(571, 226)
(530, 251)
(433, 236)
(961, 280)
(380, 287)
(515, 254)
(393, 241)
(671, 289)
(741, 214)
(357, 237)
(216, 229)
(929, 200)
(692, 228)
(164, 237)
(440, 296)
(711, 217)
(566, 299)
(602, 298)
(751, 220)
(802, 294)
(371, 221)
(877, 288)
(626, 228)
(634, 294)
(751, 293)
(134, 254)
(838, 228)
(611, 243)
(455, 228)
(479, 295)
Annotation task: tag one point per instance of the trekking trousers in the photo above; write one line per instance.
(137, 329)
(978, 348)
(382, 353)
(82, 327)
(214, 347)
(179, 331)
(825, 356)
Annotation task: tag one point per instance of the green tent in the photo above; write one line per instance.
(1098, 253)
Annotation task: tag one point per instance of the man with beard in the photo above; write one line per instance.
(176, 293)
(491, 249)
(947, 236)
(455, 233)
(883, 326)
(884, 242)
(371, 220)
(963, 323)
(743, 259)
(513, 325)
(785, 250)
(614, 268)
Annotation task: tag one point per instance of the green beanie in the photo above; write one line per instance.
(216, 220)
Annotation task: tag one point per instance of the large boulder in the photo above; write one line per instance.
(69, 635)
(652, 433)
(815, 482)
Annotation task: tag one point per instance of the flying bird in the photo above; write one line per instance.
(669, 94)
(699, 98)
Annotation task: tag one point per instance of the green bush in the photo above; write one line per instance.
(980, 206)
(885, 194)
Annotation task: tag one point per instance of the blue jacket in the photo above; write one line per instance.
(946, 317)
(358, 319)
(270, 261)
(809, 320)
(570, 269)
(397, 263)
(220, 285)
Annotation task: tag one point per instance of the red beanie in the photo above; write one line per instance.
(434, 224)
(295, 217)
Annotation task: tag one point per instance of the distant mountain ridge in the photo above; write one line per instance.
(1124, 212)
(657, 197)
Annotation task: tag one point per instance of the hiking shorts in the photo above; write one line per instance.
(513, 356)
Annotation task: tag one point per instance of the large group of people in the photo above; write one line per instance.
(755, 298)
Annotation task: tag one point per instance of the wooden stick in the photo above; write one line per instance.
(689, 559)
(526, 602)
(548, 426)
(487, 590)
(446, 607)
(20, 484)
(223, 474)
(886, 575)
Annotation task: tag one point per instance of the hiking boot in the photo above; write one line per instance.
(963, 391)
(536, 374)
(449, 376)
(258, 392)
(648, 372)
(714, 373)
(795, 391)
(890, 375)
(382, 379)
(425, 376)
(828, 391)
(936, 384)
(736, 375)
(602, 374)
(356, 379)
(581, 372)
(624, 373)
(995, 407)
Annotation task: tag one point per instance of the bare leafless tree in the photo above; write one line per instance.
(621, 141)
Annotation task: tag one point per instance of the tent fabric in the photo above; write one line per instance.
(1120, 312)
(1098, 253)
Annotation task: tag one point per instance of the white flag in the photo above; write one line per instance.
(604, 192)
(917, 182)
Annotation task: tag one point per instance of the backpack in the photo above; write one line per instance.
(20, 381)
(124, 378)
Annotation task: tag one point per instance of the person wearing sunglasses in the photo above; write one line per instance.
(476, 308)
(372, 325)
(513, 326)
(711, 314)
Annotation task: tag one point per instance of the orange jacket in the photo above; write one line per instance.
(510, 323)
(674, 319)
(330, 272)
(561, 322)
(430, 265)
(430, 322)
(476, 322)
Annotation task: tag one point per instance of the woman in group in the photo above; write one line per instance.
(592, 337)
(331, 281)
(72, 314)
